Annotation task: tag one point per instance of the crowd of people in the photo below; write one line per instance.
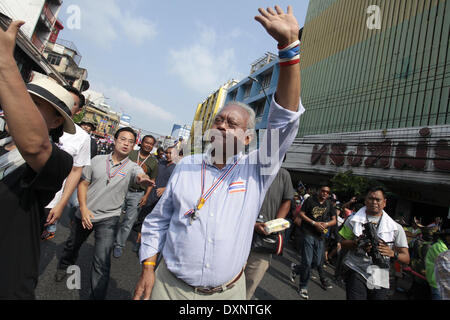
(197, 219)
(104, 147)
(418, 253)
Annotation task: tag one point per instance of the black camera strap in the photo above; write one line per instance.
(378, 225)
(379, 221)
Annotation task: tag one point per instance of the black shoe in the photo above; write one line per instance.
(304, 294)
(60, 275)
(325, 284)
(293, 273)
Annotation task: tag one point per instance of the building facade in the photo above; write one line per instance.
(65, 58)
(97, 110)
(375, 85)
(207, 110)
(29, 60)
(181, 131)
(258, 88)
(125, 120)
(40, 17)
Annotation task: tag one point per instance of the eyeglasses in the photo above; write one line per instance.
(123, 140)
(374, 199)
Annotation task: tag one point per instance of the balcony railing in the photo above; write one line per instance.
(71, 46)
(261, 62)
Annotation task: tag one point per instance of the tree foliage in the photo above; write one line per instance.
(78, 117)
(347, 185)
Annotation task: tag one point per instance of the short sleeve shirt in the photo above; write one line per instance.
(281, 189)
(400, 236)
(24, 195)
(360, 262)
(78, 145)
(149, 166)
(105, 199)
(319, 212)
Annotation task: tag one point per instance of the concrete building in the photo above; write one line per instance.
(180, 131)
(65, 58)
(258, 88)
(375, 85)
(29, 59)
(207, 110)
(40, 17)
(100, 112)
(125, 121)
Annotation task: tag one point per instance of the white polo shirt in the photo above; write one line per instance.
(78, 145)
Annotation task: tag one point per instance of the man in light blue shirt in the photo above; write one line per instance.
(203, 223)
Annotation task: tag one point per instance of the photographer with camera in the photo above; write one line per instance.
(372, 238)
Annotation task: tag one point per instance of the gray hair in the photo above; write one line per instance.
(251, 113)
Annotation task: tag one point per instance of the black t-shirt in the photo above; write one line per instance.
(24, 195)
(319, 212)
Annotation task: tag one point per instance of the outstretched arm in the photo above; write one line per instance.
(284, 28)
(144, 180)
(25, 123)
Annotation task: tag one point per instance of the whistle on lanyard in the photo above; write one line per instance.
(194, 215)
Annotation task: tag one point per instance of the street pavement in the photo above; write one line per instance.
(125, 271)
(276, 284)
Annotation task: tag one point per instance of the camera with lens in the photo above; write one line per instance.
(370, 237)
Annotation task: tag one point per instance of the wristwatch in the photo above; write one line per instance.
(395, 256)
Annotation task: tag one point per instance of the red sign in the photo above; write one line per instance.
(402, 155)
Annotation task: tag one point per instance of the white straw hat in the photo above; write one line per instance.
(57, 96)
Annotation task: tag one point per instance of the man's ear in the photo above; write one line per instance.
(249, 136)
(248, 139)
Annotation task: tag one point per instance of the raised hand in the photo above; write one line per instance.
(8, 39)
(283, 27)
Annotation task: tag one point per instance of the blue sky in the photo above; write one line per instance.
(156, 60)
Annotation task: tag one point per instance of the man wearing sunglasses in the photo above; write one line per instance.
(318, 215)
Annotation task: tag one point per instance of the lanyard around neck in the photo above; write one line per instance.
(139, 159)
(108, 168)
(206, 195)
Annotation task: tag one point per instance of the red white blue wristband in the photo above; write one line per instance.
(290, 54)
(290, 62)
(290, 46)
